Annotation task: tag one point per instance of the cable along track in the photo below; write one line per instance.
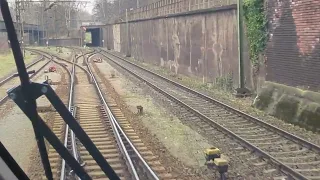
(297, 158)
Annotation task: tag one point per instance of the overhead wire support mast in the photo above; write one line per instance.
(25, 97)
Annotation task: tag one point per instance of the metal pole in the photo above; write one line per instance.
(44, 29)
(22, 28)
(240, 43)
(107, 37)
(55, 21)
(69, 17)
(18, 20)
(38, 23)
(138, 5)
(128, 39)
(32, 31)
(42, 24)
(81, 38)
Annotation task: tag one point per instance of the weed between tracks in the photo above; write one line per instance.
(180, 148)
(242, 104)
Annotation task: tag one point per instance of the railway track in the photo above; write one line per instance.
(8, 78)
(107, 127)
(146, 163)
(11, 78)
(59, 128)
(296, 157)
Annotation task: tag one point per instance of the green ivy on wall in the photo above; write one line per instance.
(256, 24)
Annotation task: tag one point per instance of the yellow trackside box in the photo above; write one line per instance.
(220, 162)
(212, 151)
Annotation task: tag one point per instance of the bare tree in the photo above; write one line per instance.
(108, 11)
(105, 11)
(12, 11)
(58, 19)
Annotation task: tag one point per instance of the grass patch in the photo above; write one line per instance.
(8, 65)
(224, 86)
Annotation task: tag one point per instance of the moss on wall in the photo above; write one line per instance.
(290, 104)
(286, 108)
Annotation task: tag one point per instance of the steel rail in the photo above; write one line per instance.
(73, 137)
(70, 103)
(306, 143)
(6, 97)
(115, 125)
(120, 143)
(62, 59)
(63, 166)
(284, 168)
(118, 127)
(150, 171)
(14, 74)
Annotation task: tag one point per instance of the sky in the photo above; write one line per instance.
(89, 6)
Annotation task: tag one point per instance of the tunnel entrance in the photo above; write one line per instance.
(93, 37)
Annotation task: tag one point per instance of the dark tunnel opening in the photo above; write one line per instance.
(96, 37)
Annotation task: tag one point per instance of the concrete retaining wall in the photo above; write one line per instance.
(290, 104)
(202, 44)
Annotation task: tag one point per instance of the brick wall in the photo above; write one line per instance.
(293, 51)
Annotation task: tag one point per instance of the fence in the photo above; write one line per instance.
(166, 7)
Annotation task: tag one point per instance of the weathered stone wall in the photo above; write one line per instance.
(202, 45)
(293, 52)
(290, 104)
(108, 37)
(116, 37)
